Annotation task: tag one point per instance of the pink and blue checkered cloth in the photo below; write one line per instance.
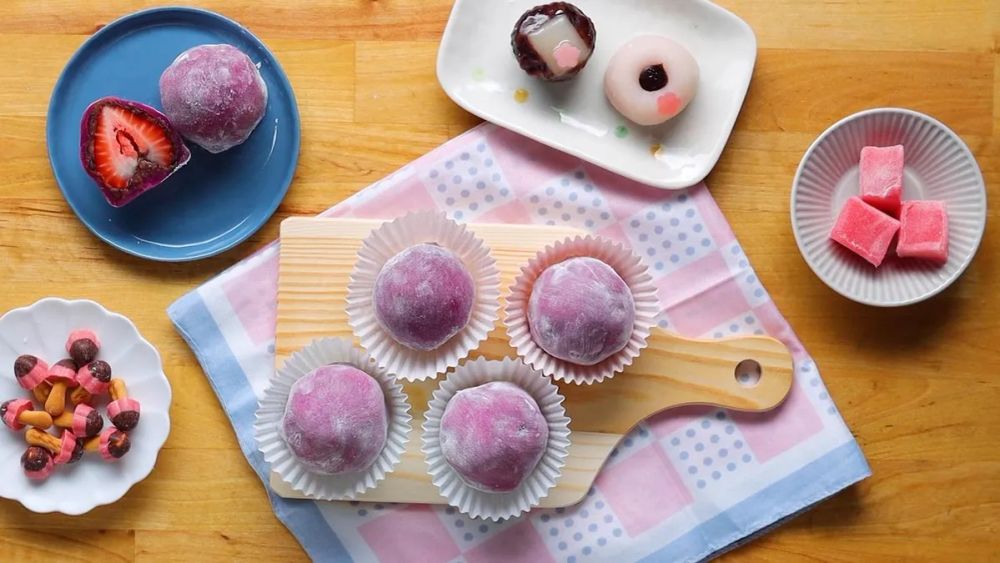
(683, 486)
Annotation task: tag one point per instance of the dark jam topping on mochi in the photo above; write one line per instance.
(653, 78)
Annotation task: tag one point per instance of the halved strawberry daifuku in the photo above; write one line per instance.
(128, 148)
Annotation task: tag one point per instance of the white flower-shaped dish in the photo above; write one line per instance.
(477, 69)
(939, 166)
(41, 330)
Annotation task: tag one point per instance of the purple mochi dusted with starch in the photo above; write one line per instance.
(423, 296)
(581, 311)
(493, 435)
(214, 95)
(336, 420)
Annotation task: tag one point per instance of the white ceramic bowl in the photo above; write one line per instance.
(477, 70)
(939, 166)
(41, 329)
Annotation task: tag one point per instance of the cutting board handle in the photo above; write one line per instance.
(674, 371)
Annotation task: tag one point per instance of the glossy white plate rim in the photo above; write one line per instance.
(581, 153)
(154, 418)
(809, 259)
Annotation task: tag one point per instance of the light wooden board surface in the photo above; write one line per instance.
(317, 257)
(917, 386)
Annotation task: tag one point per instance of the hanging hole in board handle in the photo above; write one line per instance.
(748, 373)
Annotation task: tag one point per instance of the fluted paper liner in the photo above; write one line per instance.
(386, 242)
(632, 271)
(536, 486)
(271, 410)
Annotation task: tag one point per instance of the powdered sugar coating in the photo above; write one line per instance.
(581, 311)
(214, 95)
(423, 296)
(923, 231)
(881, 177)
(336, 419)
(493, 435)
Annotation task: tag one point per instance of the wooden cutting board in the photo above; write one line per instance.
(317, 256)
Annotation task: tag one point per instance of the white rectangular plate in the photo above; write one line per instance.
(477, 69)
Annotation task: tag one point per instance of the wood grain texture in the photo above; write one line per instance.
(315, 265)
(917, 386)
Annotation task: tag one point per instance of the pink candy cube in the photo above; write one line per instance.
(882, 177)
(923, 231)
(864, 230)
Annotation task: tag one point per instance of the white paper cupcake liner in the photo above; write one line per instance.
(536, 486)
(386, 242)
(632, 271)
(271, 410)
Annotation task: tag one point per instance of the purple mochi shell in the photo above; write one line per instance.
(581, 311)
(336, 420)
(214, 95)
(119, 198)
(423, 296)
(493, 435)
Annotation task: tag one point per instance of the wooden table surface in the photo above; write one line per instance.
(919, 386)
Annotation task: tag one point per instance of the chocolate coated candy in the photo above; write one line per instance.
(35, 458)
(23, 365)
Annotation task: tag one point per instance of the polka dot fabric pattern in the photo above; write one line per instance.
(710, 452)
(682, 486)
(468, 184)
(670, 235)
(571, 199)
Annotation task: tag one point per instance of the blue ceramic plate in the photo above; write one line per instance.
(215, 201)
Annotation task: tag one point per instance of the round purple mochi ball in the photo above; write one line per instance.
(423, 296)
(214, 95)
(493, 435)
(335, 419)
(581, 311)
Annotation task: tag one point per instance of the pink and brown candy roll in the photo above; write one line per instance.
(64, 449)
(30, 371)
(93, 379)
(37, 463)
(18, 413)
(62, 376)
(82, 346)
(122, 410)
(113, 444)
(84, 421)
